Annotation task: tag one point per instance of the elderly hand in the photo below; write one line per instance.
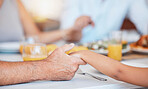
(63, 66)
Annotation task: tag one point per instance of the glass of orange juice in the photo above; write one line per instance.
(115, 45)
(33, 52)
(28, 40)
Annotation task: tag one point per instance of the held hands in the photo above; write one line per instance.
(75, 33)
(63, 66)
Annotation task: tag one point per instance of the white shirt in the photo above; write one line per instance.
(108, 16)
(10, 24)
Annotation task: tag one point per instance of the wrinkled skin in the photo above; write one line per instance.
(63, 65)
(58, 66)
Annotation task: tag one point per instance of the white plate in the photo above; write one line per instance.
(143, 63)
(140, 50)
(105, 52)
(9, 47)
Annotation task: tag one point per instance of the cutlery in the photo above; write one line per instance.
(87, 74)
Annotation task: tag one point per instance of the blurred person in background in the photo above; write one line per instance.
(108, 15)
(15, 23)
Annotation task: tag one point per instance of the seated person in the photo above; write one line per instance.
(115, 69)
(58, 66)
(108, 15)
(15, 23)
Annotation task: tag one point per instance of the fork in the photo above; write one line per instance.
(87, 74)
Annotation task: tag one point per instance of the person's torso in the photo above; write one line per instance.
(108, 15)
(10, 24)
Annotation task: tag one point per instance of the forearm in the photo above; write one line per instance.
(102, 63)
(20, 72)
(70, 35)
(31, 29)
(115, 69)
(28, 24)
(51, 36)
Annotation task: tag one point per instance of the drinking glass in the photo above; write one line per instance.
(33, 52)
(115, 45)
(28, 40)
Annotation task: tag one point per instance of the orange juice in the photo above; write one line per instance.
(115, 51)
(33, 59)
(33, 52)
(51, 48)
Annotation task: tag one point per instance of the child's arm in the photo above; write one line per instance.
(115, 69)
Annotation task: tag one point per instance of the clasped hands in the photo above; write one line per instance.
(63, 66)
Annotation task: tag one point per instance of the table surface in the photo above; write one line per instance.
(79, 81)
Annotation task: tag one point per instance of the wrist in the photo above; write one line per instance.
(42, 70)
(77, 27)
(85, 55)
(64, 34)
(80, 54)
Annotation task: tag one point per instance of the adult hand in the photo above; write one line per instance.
(82, 22)
(62, 66)
(74, 34)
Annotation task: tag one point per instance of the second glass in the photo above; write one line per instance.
(115, 45)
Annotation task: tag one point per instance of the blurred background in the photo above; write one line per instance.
(20, 39)
(46, 13)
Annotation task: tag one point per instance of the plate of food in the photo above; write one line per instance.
(141, 45)
(102, 46)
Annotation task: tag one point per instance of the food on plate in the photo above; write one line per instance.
(142, 43)
(51, 48)
(98, 45)
(102, 45)
(124, 44)
(21, 49)
(77, 48)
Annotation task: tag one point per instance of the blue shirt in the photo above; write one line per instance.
(108, 16)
